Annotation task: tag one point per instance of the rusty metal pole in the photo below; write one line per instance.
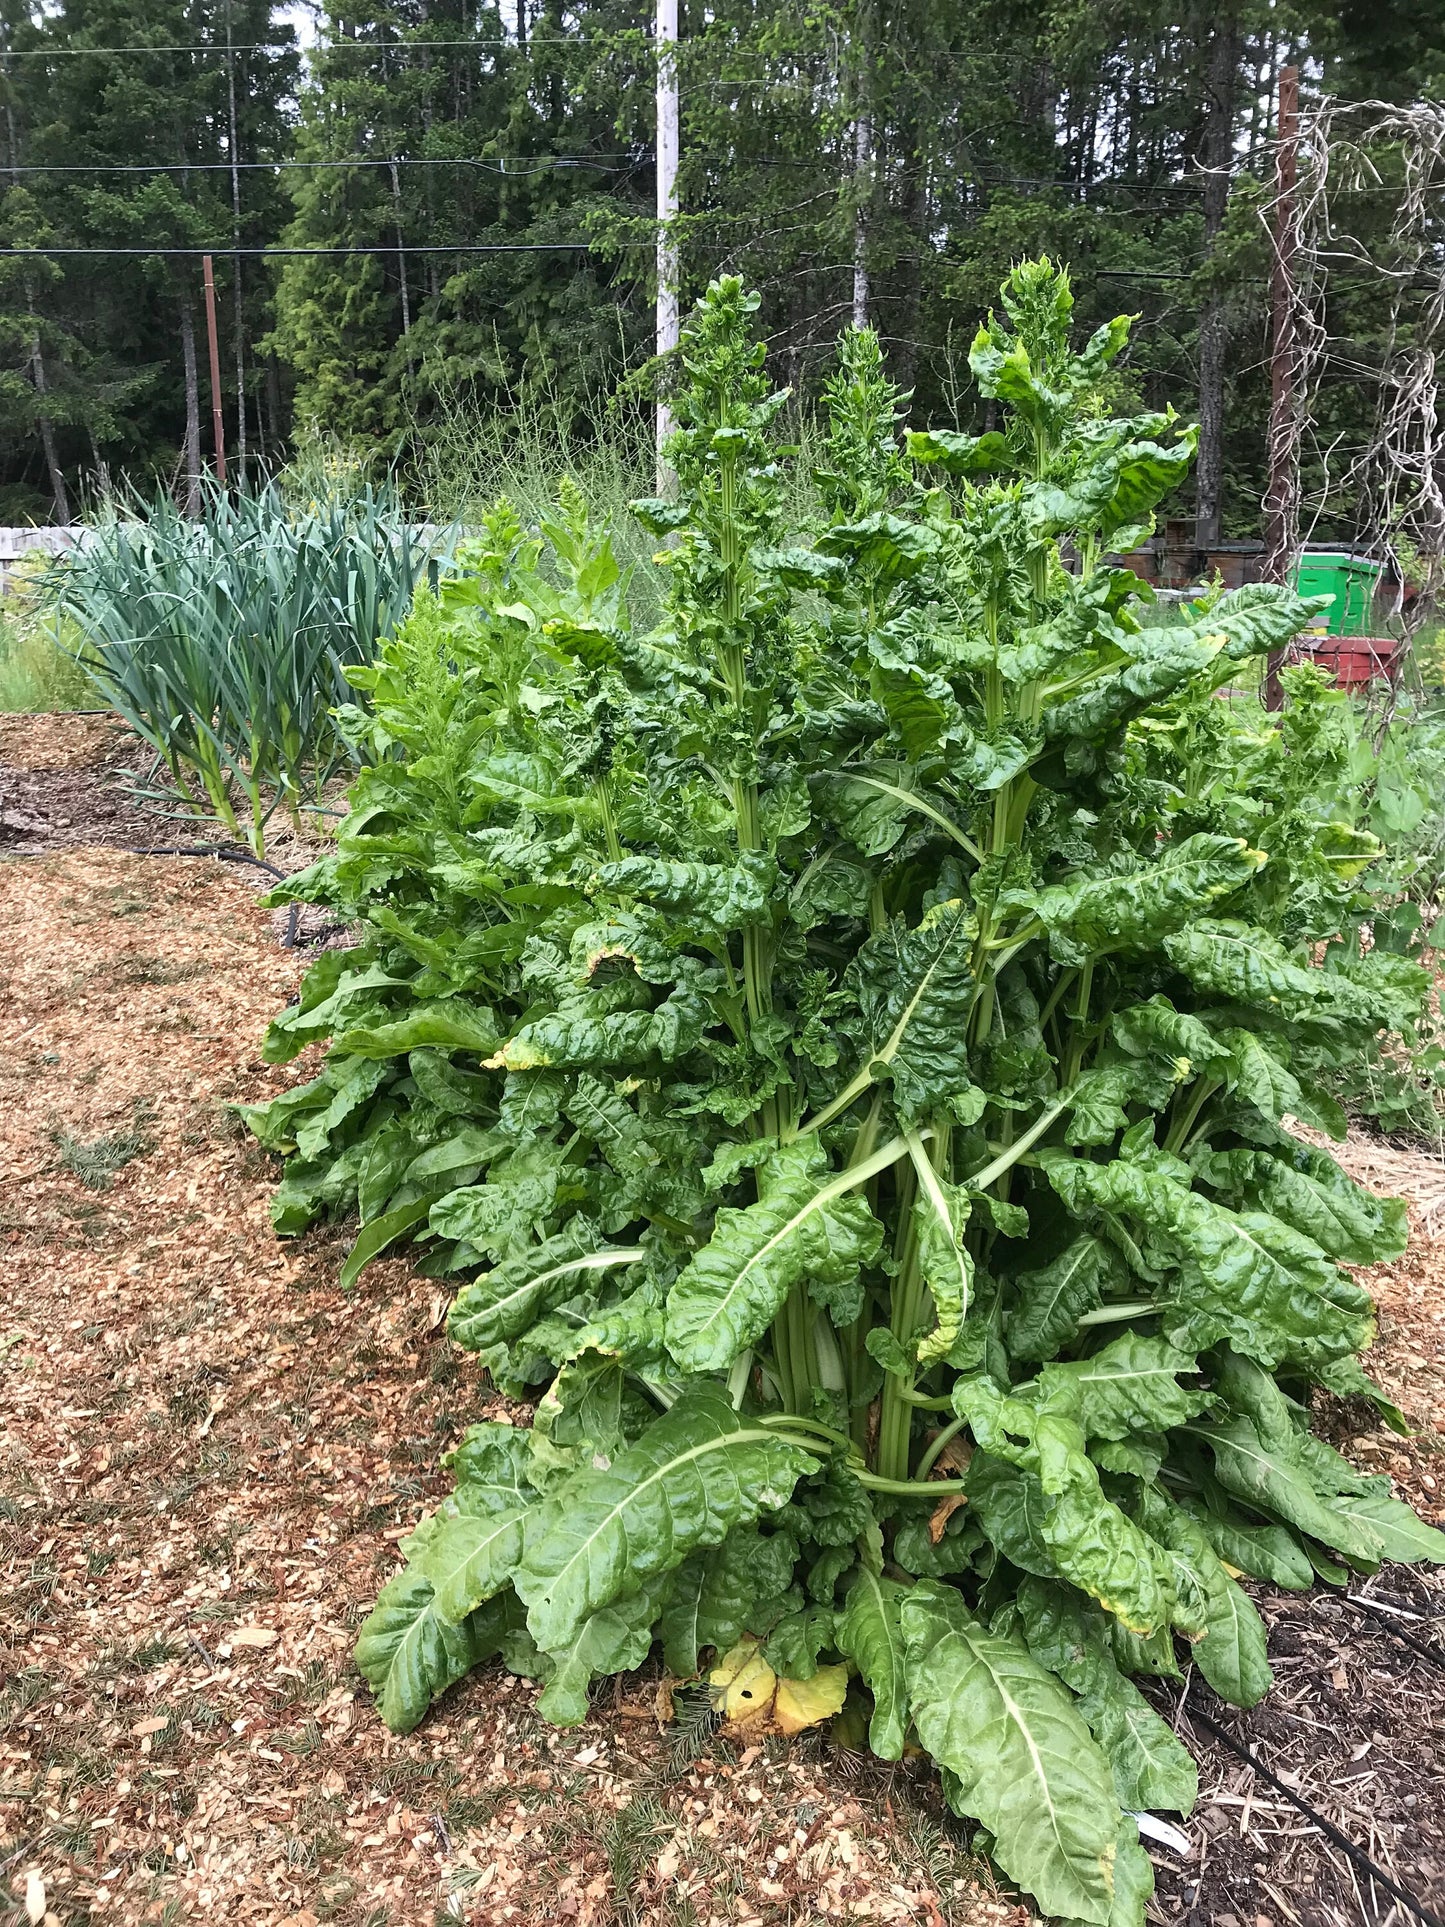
(217, 426)
(1280, 513)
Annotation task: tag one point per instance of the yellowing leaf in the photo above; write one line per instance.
(743, 1683)
(808, 1702)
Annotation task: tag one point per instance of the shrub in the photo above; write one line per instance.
(842, 1042)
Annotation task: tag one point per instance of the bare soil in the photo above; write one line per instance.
(208, 1455)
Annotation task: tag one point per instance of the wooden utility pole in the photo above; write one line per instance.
(668, 275)
(237, 297)
(1281, 509)
(217, 426)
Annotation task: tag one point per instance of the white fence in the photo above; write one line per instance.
(17, 544)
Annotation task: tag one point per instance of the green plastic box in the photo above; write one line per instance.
(1350, 579)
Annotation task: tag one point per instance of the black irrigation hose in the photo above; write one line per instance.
(227, 853)
(1327, 1827)
(1386, 1624)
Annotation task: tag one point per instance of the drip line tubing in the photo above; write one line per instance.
(1327, 1827)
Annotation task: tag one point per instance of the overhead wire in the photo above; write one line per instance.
(526, 163)
(218, 251)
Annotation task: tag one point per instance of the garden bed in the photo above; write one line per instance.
(210, 1456)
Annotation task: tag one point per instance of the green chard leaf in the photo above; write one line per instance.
(409, 1654)
(1151, 1767)
(869, 1632)
(1232, 1653)
(504, 1303)
(1096, 915)
(914, 989)
(719, 1594)
(1025, 1763)
(613, 1639)
(697, 1472)
(807, 1223)
(1244, 1277)
(1049, 1303)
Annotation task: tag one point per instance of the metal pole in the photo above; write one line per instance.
(667, 156)
(217, 427)
(1280, 506)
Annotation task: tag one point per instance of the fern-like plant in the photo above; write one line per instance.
(842, 1044)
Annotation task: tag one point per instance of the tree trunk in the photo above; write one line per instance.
(400, 250)
(273, 403)
(1214, 320)
(191, 453)
(862, 162)
(47, 427)
(912, 222)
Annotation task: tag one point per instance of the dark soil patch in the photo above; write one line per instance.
(69, 782)
(64, 781)
(1356, 1726)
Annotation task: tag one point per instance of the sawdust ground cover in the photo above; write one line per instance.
(209, 1455)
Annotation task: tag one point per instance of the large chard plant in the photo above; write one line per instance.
(842, 1044)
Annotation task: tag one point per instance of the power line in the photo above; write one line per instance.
(527, 164)
(277, 46)
(534, 163)
(361, 247)
(576, 42)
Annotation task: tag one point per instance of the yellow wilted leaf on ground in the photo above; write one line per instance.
(807, 1702)
(743, 1683)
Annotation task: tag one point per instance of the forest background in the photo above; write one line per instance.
(891, 154)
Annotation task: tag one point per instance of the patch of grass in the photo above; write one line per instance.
(156, 1651)
(695, 1722)
(156, 970)
(28, 1687)
(474, 1810)
(333, 1896)
(96, 1162)
(307, 1738)
(202, 1713)
(36, 672)
(410, 1777)
(628, 1839)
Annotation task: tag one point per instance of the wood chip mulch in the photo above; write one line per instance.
(208, 1456)
(207, 1459)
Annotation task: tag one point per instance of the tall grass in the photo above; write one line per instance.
(37, 671)
(223, 642)
(464, 460)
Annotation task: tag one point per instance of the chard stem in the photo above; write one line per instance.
(981, 1180)
(935, 1450)
(1111, 1314)
(910, 1488)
